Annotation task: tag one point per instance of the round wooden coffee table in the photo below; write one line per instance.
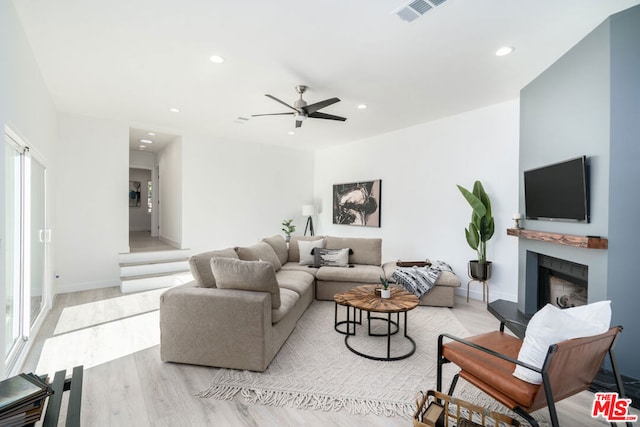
(365, 298)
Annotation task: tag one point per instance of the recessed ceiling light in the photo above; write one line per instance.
(146, 141)
(505, 50)
(174, 110)
(151, 134)
(362, 106)
(291, 132)
(216, 59)
(142, 147)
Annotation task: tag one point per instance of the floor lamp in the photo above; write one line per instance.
(309, 211)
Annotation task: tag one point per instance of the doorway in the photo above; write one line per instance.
(144, 229)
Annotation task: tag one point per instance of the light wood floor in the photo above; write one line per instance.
(141, 241)
(137, 389)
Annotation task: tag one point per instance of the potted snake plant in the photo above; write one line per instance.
(480, 230)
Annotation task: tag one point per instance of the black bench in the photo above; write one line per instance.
(59, 385)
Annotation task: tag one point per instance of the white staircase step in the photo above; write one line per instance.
(142, 257)
(154, 281)
(156, 267)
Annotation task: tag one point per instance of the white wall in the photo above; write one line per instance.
(27, 108)
(91, 202)
(423, 213)
(236, 193)
(142, 159)
(139, 216)
(170, 193)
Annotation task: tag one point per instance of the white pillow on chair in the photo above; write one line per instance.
(551, 325)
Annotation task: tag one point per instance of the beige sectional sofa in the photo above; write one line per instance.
(244, 302)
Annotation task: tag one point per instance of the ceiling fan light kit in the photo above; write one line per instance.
(301, 110)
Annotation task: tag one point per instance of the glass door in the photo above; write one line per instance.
(38, 239)
(26, 245)
(13, 231)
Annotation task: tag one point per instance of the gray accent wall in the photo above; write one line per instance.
(588, 103)
(623, 276)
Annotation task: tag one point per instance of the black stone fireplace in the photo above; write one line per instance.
(561, 283)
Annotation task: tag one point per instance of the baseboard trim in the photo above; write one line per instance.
(170, 242)
(475, 292)
(86, 286)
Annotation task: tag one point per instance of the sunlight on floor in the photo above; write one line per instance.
(98, 312)
(99, 332)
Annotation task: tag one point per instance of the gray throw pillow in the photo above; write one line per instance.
(279, 246)
(260, 252)
(200, 266)
(247, 275)
(331, 257)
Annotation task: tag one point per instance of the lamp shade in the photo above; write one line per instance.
(308, 210)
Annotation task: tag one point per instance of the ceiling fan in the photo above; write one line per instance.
(301, 110)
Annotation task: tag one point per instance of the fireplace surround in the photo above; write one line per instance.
(561, 282)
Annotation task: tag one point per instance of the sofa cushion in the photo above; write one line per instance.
(247, 275)
(289, 299)
(279, 246)
(307, 249)
(260, 252)
(446, 278)
(356, 274)
(294, 249)
(298, 281)
(294, 266)
(331, 257)
(200, 266)
(365, 251)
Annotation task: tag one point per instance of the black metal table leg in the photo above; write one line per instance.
(349, 323)
(388, 335)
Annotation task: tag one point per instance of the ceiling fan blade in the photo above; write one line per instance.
(326, 116)
(298, 123)
(281, 102)
(273, 114)
(320, 105)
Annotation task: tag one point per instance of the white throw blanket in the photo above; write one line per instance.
(420, 280)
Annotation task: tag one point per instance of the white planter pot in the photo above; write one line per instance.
(385, 293)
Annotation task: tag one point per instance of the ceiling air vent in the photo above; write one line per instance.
(415, 9)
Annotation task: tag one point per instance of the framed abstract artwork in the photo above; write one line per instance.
(357, 203)
(134, 194)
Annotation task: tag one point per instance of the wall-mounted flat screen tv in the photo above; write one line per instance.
(558, 192)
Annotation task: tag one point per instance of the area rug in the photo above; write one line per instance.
(314, 369)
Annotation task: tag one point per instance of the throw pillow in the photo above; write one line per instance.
(200, 266)
(294, 249)
(279, 246)
(260, 252)
(331, 257)
(552, 325)
(306, 250)
(247, 275)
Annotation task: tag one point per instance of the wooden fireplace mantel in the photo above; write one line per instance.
(588, 242)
